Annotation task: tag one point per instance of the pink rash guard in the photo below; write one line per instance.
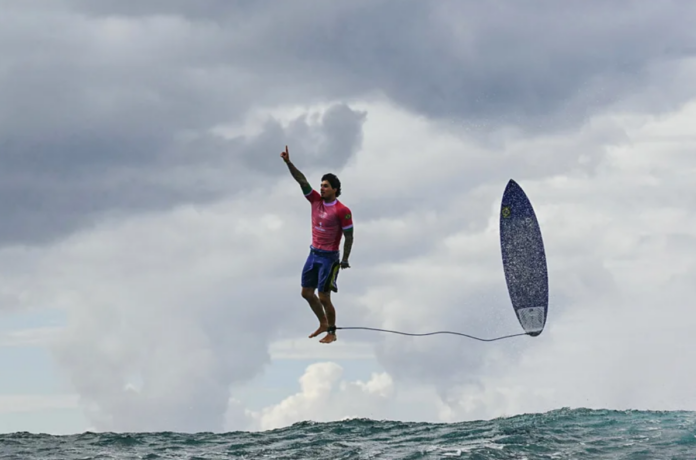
(328, 222)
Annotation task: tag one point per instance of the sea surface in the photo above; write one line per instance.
(560, 434)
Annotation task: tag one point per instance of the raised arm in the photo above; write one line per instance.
(299, 177)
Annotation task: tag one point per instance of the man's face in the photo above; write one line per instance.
(326, 190)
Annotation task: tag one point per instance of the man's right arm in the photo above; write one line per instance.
(300, 178)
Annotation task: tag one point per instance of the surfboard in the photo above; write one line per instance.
(524, 259)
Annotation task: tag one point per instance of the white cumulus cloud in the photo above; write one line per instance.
(325, 396)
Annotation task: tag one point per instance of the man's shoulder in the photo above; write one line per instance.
(312, 195)
(341, 207)
(345, 215)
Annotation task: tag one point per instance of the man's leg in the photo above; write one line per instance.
(310, 280)
(325, 299)
(317, 308)
(328, 275)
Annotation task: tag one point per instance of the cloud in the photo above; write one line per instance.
(509, 63)
(343, 350)
(324, 396)
(101, 118)
(161, 326)
(199, 170)
(84, 135)
(38, 336)
(36, 403)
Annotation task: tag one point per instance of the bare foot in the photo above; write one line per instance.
(328, 338)
(322, 328)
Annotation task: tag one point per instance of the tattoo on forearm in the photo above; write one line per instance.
(299, 177)
(347, 246)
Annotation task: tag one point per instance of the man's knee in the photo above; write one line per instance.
(307, 293)
(325, 296)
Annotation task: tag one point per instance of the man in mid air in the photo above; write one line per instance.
(331, 220)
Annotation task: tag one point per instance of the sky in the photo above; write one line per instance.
(152, 238)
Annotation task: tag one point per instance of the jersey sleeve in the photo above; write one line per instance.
(346, 218)
(312, 196)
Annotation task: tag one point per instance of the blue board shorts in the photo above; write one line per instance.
(320, 271)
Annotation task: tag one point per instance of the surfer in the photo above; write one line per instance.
(331, 220)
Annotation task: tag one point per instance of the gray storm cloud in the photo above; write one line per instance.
(93, 118)
(508, 63)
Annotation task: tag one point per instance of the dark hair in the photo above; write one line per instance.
(333, 180)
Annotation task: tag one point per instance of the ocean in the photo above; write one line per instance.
(560, 434)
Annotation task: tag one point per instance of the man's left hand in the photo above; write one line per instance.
(345, 264)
